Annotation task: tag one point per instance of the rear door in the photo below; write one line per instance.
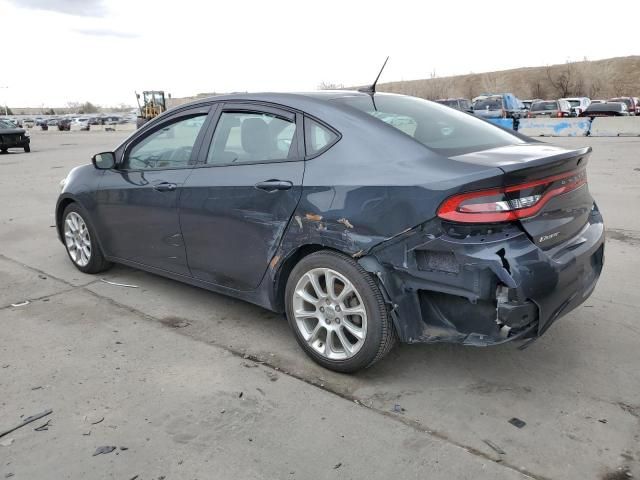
(137, 203)
(241, 196)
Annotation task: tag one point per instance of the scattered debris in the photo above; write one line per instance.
(494, 447)
(337, 466)
(174, 322)
(87, 433)
(118, 284)
(43, 427)
(249, 365)
(39, 387)
(345, 222)
(94, 420)
(8, 475)
(516, 422)
(313, 217)
(398, 409)
(6, 366)
(260, 390)
(603, 420)
(21, 304)
(124, 448)
(43, 277)
(134, 477)
(222, 411)
(7, 442)
(103, 450)
(240, 394)
(181, 324)
(27, 421)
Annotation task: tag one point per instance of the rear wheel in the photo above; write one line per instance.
(27, 149)
(80, 241)
(337, 312)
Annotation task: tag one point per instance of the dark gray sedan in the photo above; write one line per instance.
(365, 217)
(12, 136)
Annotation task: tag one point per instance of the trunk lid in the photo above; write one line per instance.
(562, 216)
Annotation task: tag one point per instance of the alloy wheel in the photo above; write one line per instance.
(330, 314)
(77, 239)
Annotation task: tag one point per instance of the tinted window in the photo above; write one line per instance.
(437, 127)
(537, 106)
(251, 137)
(574, 103)
(492, 103)
(318, 137)
(169, 147)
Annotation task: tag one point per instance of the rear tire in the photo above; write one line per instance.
(337, 312)
(27, 149)
(80, 241)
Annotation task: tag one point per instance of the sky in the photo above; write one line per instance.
(103, 50)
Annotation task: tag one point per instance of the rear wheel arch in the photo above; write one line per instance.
(289, 263)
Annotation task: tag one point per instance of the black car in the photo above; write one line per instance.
(606, 109)
(13, 137)
(64, 124)
(365, 217)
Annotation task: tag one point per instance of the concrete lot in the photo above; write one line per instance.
(171, 393)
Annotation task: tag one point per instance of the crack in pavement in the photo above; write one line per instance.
(413, 424)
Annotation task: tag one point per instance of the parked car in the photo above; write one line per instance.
(607, 109)
(52, 122)
(505, 105)
(12, 136)
(527, 103)
(578, 104)
(550, 109)
(339, 209)
(80, 123)
(629, 102)
(64, 124)
(28, 123)
(463, 104)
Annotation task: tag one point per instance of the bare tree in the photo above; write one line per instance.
(563, 80)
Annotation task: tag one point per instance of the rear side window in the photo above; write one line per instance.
(544, 106)
(439, 128)
(243, 137)
(317, 137)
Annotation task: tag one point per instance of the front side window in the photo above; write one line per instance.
(318, 137)
(169, 147)
(243, 137)
(439, 128)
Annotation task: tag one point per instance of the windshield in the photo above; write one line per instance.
(441, 129)
(574, 103)
(544, 106)
(493, 103)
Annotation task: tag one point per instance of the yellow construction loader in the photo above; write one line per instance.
(153, 104)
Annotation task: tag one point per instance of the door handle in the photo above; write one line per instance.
(165, 187)
(273, 185)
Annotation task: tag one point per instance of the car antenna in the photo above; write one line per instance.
(371, 89)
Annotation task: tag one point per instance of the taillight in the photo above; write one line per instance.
(509, 203)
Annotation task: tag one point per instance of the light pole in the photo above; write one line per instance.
(6, 111)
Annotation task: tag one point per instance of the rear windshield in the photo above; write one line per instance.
(605, 107)
(494, 103)
(626, 101)
(444, 130)
(545, 106)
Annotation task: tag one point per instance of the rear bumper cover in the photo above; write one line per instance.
(486, 286)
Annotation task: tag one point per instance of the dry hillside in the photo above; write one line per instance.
(594, 79)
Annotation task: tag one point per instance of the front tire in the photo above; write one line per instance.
(27, 149)
(80, 241)
(337, 312)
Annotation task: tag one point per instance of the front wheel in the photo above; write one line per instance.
(80, 241)
(337, 312)
(27, 149)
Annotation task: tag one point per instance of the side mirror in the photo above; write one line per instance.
(104, 160)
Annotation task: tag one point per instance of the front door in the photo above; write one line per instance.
(239, 199)
(138, 202)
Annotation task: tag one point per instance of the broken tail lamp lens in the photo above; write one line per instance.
(509, 203)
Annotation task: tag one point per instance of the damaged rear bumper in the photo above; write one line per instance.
(483, 285)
